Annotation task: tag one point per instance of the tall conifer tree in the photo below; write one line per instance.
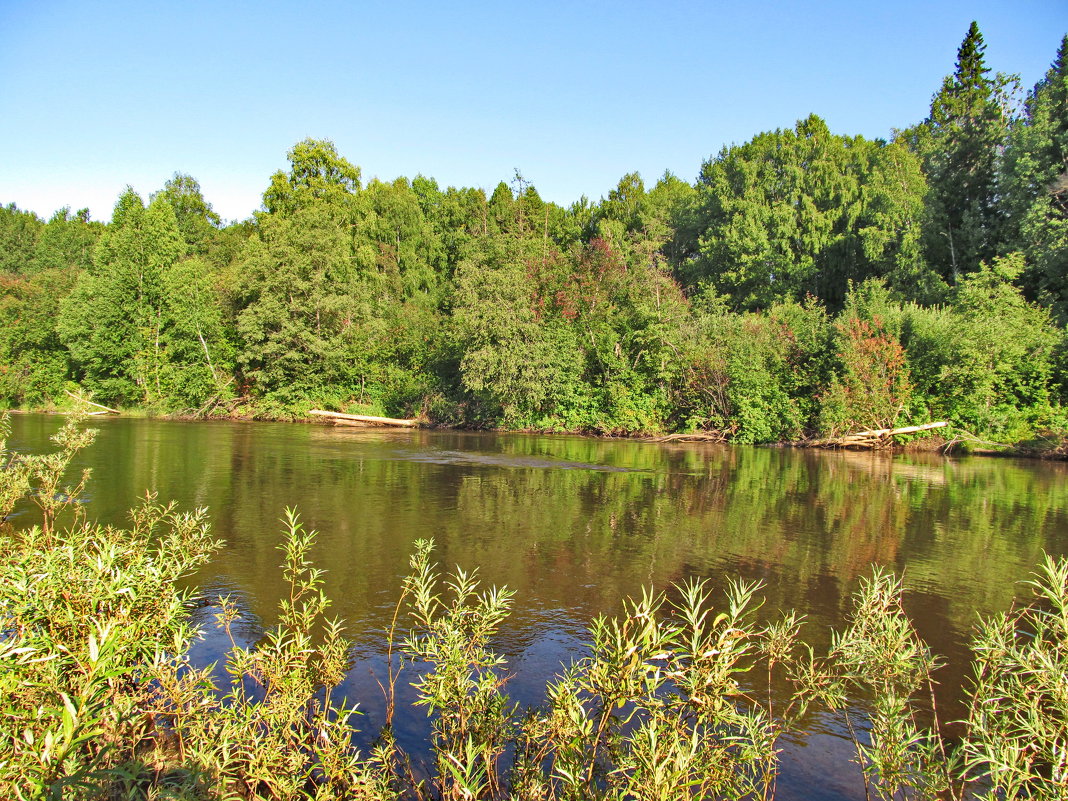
(964, 133)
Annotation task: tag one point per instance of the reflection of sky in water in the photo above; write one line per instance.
(573, 525)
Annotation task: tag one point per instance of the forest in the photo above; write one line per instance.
(806, 283)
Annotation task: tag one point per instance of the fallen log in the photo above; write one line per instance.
(107, 409)
(869, 439)
(703, 436)
(337, 418)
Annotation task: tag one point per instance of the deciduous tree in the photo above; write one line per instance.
(1036, 185)
(802, 211)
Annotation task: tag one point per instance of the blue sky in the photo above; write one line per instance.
(95, 96)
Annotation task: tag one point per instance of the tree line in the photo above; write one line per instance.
(805, 282)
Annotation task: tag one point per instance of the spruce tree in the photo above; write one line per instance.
(965, 130)
(1036, 185)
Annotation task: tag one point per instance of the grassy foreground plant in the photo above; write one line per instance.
(1017, 744)
(658, 709)
(472, 718)
(82, 613)
(276, 733)
(880, 664)
(39, 477)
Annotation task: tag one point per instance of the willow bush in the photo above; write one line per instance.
(85, 611)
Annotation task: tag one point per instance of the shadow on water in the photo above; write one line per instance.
(574, 525)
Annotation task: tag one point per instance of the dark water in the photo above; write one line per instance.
(574, 525)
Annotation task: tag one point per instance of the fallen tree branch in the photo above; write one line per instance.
(214, 400)
(106, 409)
(697, 436)
(966, 437)
(869, 439)
(357, 419)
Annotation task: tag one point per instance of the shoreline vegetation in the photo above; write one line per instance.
(674, 699)
(1051, 447)
(807, 285)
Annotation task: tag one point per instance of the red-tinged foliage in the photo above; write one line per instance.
(874, 386)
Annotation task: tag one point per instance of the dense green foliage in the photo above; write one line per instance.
(959, 144)
(804, 212)
(807, 282)
(1036, 185)
(673, 698)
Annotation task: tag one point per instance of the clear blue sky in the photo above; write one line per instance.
(98, 95)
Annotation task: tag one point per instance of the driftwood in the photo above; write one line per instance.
(874, 438)
(697, 436)
(337, 418)
(105, 409)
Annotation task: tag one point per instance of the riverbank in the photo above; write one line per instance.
(1048, 445)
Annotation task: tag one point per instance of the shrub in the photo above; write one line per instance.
(98, 698)
(873, 388)
(83, 611)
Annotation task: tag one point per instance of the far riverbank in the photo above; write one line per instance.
(948, 441)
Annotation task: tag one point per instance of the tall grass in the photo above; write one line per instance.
(98, 698)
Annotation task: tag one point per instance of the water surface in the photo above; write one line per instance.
(574, 525)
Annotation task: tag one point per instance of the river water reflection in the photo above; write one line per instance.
(574, 525)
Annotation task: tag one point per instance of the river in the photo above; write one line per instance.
(574, 525)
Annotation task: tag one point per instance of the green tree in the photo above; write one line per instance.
(1000, 376)
(630, 317)
(408, 251)
(959, 144)
(455, 216)
(803, 211)
(753, 377)
(18, 237)
(519, 363)
(197, 221)
(502, 213)
(307, 283)
(1036, 185)
(642, 224)
(299, 296)
(67, 241)
(667, 212)
(198, 355)
(316, 173)
(113, 321)
(33, 360)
